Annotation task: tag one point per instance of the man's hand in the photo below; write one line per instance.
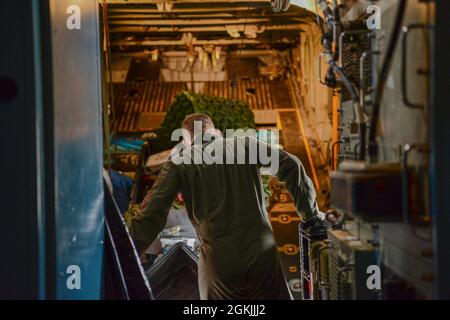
(132, 212)
(322, 216)
(311, 221)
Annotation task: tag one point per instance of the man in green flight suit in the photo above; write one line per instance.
(225, 203)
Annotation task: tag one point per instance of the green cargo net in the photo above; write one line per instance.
(225, 113)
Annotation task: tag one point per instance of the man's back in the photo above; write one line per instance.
(225, 201)
(222, 189)
(222, 194)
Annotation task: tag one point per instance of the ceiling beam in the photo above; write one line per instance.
(185, 10)
(185, 22)
(166, 15)
(238, 53)
(196, 42)
(169, 15)
(240, 27)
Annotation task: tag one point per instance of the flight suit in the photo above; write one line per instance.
(226, 205)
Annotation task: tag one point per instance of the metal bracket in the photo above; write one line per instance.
(319, 67)
(407, 148)
(362, 82)
(405, 32)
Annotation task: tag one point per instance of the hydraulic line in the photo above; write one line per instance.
(359, 113)
(333, 160)
(327, 13)
(333, 21)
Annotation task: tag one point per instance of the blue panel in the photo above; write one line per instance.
(440, 155)
(77, 148)
(22, 273)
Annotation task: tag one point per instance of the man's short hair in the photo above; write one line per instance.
(189, 121)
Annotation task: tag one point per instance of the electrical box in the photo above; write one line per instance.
(370, 192)
(348, 260)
